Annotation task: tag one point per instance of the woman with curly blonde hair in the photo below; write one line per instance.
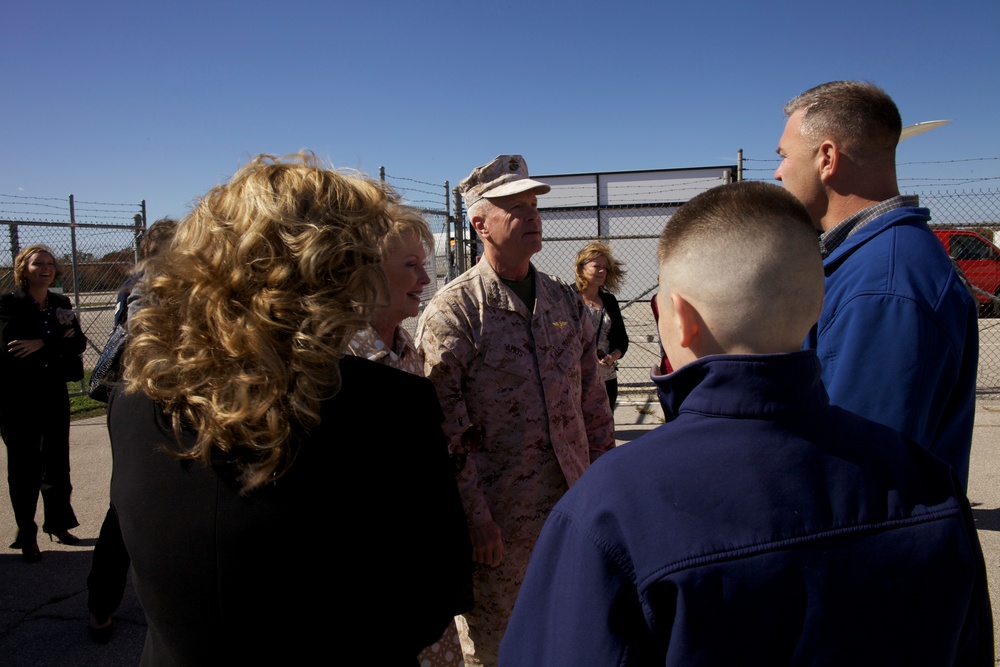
(598, 276)
(243, 426)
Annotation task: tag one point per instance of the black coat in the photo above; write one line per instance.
(19, 320)
(361, 546)
(617, 336)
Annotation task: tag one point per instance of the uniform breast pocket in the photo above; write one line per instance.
(562, 347)
(511, 358)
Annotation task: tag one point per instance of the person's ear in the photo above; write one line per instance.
(479, 224)
(686, 320)
(828, 157)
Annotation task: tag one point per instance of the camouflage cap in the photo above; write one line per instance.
(505, 175)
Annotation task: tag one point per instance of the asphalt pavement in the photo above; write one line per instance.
(43, 606)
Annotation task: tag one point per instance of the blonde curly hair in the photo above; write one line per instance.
(250, 307)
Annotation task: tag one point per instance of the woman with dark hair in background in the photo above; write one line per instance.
(244, 433)
(598, 276)
(40, 346)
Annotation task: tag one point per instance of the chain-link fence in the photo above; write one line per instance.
(627, 210)
(632, 234)
(969, 218)
(95, 244)
(433, 200)
(966, 222)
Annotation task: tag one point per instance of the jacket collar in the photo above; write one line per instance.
(744, 385)
(903, 215)
(499, 296)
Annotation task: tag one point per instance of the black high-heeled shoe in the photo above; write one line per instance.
(64, 537)
(101, 632)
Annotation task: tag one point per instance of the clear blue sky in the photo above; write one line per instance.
(124, 101)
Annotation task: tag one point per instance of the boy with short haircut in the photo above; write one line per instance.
(760, 525)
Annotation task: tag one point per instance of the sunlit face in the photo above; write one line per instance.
(799, 169)
(405, 274)
(595, 272)
(512, 227)
(40, 272)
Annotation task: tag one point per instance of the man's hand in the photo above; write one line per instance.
(22, 348)
(487, 545)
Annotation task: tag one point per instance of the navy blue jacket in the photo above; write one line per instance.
(899, 336)
(760, 526)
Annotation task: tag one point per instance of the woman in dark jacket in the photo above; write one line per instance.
(282, 503)
(40, 346)
(598, 276)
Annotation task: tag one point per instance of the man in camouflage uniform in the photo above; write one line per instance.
(511, 353)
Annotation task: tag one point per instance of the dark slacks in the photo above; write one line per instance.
(109, 570)
(612, 387)
(36, 434)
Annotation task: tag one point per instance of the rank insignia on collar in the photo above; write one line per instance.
(559, 325)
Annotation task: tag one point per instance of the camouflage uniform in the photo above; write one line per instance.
(532, 383)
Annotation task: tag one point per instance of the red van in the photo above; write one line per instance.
(979, 260)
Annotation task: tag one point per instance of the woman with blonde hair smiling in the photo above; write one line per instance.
(404, 253)
(244, 428)
(40, 346)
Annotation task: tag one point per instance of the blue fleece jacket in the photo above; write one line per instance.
(760, 526)
(898, 338)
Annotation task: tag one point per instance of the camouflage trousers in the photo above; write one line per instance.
(496, 590)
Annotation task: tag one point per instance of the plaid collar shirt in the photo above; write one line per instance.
(830, 239)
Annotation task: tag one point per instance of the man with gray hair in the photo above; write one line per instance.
(898, 337)
(511, 353)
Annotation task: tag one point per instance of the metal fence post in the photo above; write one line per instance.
(73, 262)
(137, 235)
(72, 252)
(448, 219)
(459, 232)
(15, 243)
(140, 226)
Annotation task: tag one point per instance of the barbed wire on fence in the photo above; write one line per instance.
(951, 161)
(412, 180)
(31, 209)
(409, 195)
(945, 182)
